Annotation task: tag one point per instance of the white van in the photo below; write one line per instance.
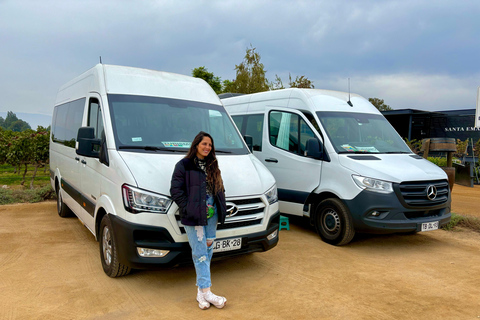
(339, 162)
(117, 133)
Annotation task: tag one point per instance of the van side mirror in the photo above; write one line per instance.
(249, 142)
(313, 150)
(86, 141)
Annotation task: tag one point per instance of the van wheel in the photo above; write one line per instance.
(333, 222)
(62, 209)
(108, 251)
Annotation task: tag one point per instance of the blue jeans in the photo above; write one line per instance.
(201, 253)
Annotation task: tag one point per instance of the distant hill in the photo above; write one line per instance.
(33, 119)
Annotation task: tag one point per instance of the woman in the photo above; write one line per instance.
(197, 189)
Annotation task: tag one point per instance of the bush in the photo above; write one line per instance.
(454, 221)
(9, 196)
(439, 161)
(472, 223)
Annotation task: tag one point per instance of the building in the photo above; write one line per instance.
(417, 124)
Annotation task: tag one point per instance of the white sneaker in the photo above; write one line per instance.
(202, 303)
(217, 301)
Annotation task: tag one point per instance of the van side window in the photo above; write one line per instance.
(314, 123)
(67, 119)
(289, 132)
(238, 122)
(255, 130)
(95, 120)
(251, 125)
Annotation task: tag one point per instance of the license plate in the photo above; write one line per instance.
(227, 245)
(428, 226)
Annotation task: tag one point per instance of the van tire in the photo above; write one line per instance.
(333, 222)
(108, 250)
(62, 209)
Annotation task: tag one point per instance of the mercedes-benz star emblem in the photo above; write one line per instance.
(431, 192)
(232, 209)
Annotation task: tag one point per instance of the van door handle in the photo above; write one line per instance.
(271, 160)
(83, 161)
(77, 158)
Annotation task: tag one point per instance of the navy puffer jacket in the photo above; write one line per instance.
(189, 191)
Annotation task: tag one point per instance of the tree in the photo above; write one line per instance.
(379, 104)
(39, 150)
(228, 85)
(250, 76)
(277, 84)
(11, 122)
(300, 82)
(214, 82)
(19, 151)
(9, 119)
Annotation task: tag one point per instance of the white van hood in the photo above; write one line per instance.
(392, 167)
(240, 176)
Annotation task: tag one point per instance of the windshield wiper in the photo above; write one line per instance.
(151, 148)
(399, 152)
(222, 151)
(358, 152)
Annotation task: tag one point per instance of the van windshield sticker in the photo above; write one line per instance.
(136, 139)
(177, 144)
(350, 148)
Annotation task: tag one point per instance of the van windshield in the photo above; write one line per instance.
(361, 133)
(142, 124)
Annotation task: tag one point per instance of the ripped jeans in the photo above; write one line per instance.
(201, 254)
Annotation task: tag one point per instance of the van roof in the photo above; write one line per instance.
(291, 92)
(315, 99)
(110, 79)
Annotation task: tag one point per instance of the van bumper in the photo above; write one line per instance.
(129, 236)
(394, 216)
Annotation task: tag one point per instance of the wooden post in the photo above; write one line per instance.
(449, 159)
(426, 148)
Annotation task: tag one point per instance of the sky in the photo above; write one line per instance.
(417, 54)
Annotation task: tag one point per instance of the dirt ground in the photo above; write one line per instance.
(50, 269)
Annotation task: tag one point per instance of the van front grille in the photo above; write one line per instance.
(251, 211)
(414, 193)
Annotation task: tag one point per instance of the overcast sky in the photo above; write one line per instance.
(413, 54)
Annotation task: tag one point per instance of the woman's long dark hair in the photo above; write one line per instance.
(214, 178)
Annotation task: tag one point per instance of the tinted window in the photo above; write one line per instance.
(361, 133)
(288, 131)
(284, 130)
(255, 130)
(140, 121)
(95, 120)
(238, 122)
(67, 120)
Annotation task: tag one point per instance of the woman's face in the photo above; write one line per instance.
(204, 147)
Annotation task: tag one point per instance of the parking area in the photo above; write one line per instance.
(50, 269)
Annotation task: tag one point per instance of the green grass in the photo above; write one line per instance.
(11, 191)
(13, 180)
(10, 196)
(472, 223)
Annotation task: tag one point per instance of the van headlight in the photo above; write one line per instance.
(272, 195)
(137, 200)
(371, 184)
